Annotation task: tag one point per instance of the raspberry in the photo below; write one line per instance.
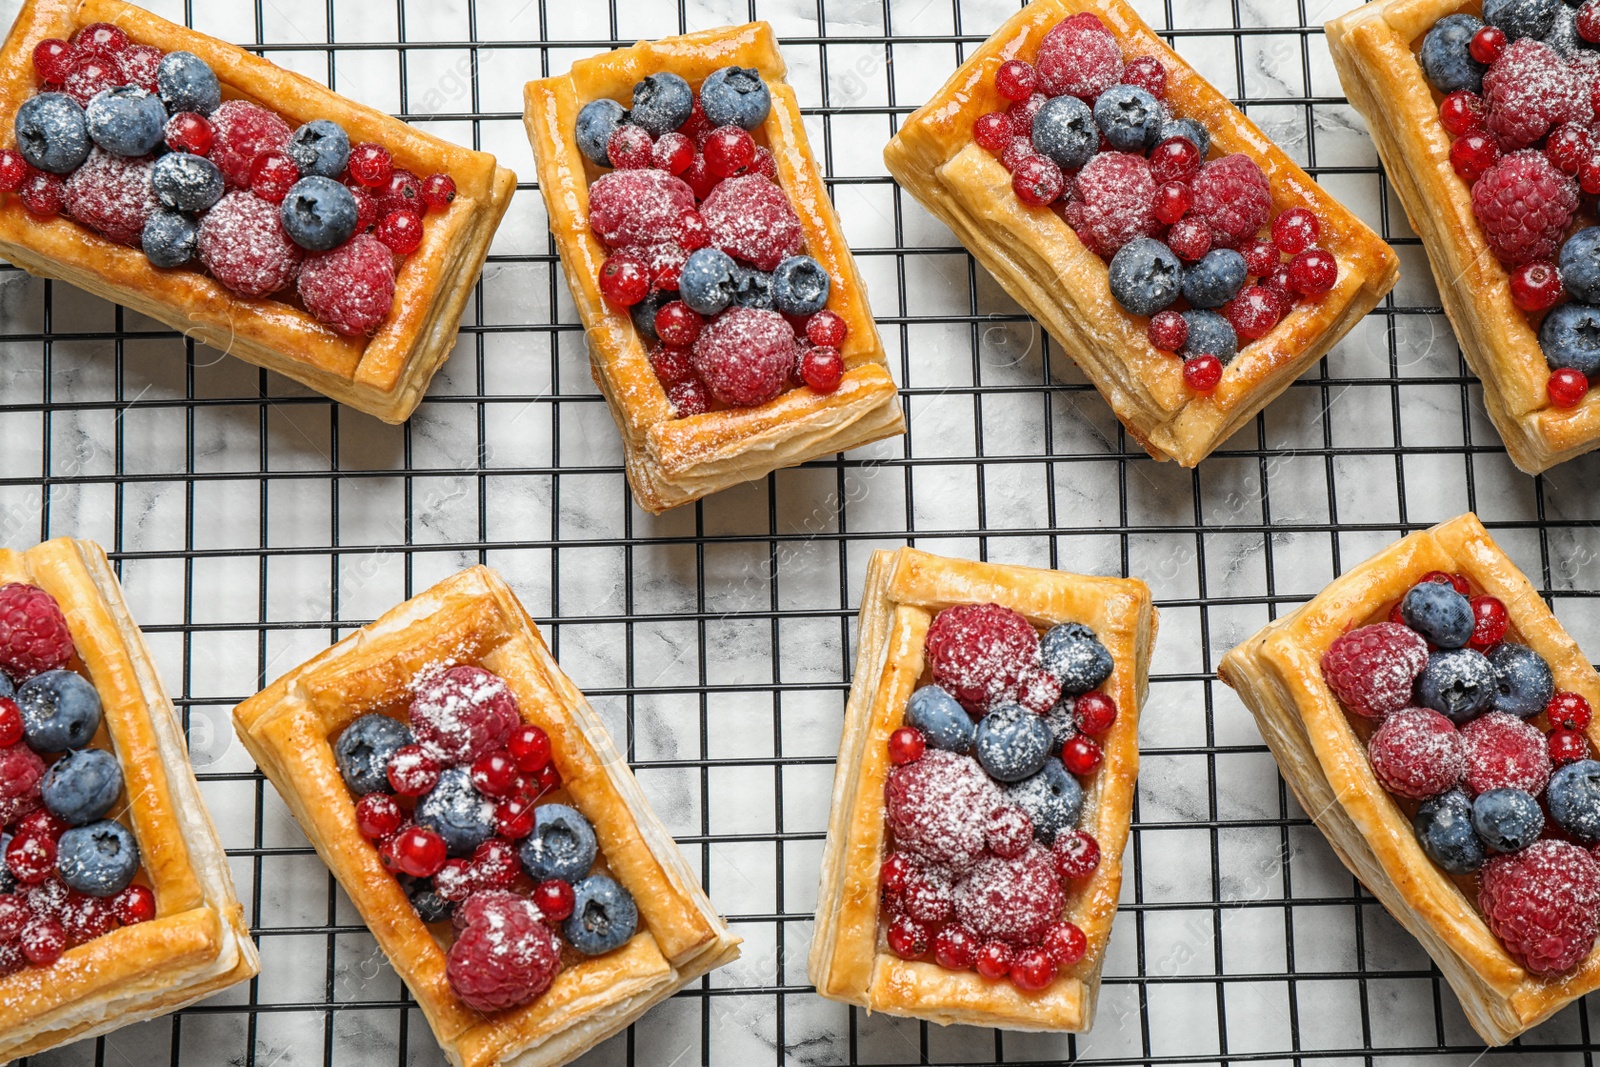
(242, 131)
(1416, 753)
(1075, 60)
(1232, 195)
(33, 632)
(929, 896)
(351, 288)
(112, 195)
(502, 959)
(751, 219)
(938, 808)
(1118, 196)
(1541, 902)
(1013, 900)
(1503, 752)
(744, 355)
(1529, 91)
(20, 771)
(243, 243)
(637, 207)
(1371, 669)
(462, 714)
(981, 653)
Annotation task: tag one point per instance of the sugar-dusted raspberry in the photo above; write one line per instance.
(1118, 197)
(1530, 91)
(938, 808)
(689, 398)
(93, 73)
(1014, 900)
(751, 219)
(20, 771)
(352, 287)
(504, 958)
(1232, 195)
(929, 895)
(112, 195)
(1541, 902)
(1010, 831)
(242, 131)
(1524, 205)
(745, 355)
(1371, 669)
(33, 632)
(1077, 60)
(243, 243)
(637, 207)
(462, 714)
(1504, 752)
(1416, 753)
(981, 653)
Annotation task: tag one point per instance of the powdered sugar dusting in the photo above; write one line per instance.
(112, 195)
(1013, 900)
(242, 243)
(939, 808)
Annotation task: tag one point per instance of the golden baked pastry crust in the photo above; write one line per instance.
(384, 375)
(1278, 675)
(1037, 258)
(904, 591)
(475, 618)
(1372, 50)
(672, 461)
(198, 943)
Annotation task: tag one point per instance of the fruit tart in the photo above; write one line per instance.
(1484, 129)
(116, 905)
(245, 206)
(983, 793)
(1181, 258)
(727, 325)
(1435, 720)
(471, 804)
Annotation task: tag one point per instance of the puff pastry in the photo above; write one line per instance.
(904, 591)
(475, 618)
(1037, 258)
(198, 943)
(383, 375)
(1278, 675)
(672, 461)
(1373, 50)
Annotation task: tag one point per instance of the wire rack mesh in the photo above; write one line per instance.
(253, 522)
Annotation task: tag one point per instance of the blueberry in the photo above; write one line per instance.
(187, 84)
(1074, 655)
(8, 881)
(597, 121)
(52, 133)
(800, 286)
(1064, 130)
(364, 749)
(1146, 275)
(944, 723)
(7, 690)
(99, 859)
(1563, 33)
(735, 96)
(1063, 722)
(429, 905)
(1508, 820)
(1209, 335)
(1519, 18)
(1580, 265)
(319, 214)
(1216, 279)
(1439, 613)
(126, 121)
(1573, 795)
(562, 844)
(644, 313)
(1522, 679)
(1130, 118)
(1570, 337)
(603, 916)
(1052, 798)
(1012, 743)
(320, 147)
(60, 710)
(82, 786)
(751, 288)
(170, 239)
(457, 812)
(186, 182)
(1191, 130)
(1458, 683)
(661, 102)
(1446, 62)
(1444, 829)
(708, 281)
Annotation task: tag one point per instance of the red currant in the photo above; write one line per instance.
(1260, 257)
(908, 938)
(1203, 373)
(189, 132)
(1175, 160)
(766, 164)
(494, 774)
(553, 898)
(1033, 970)
(378, 816)
(1076, 855)
(894, 873)
(691, 232)
(822, 368)
(1168, 331)
(1016, 153)
(455, 881)
(699, 178)
(826, 329)
(370, 164)
(42, 824)
(1094, 712)
(1022, 113)
(1461, 112)
(672, 365)
(1295, 230)
(624, 280)
(1065, 943)
(677, 324)
(366, 208)
(1487, 44)
(1473, 154)
(513, 818)
(994, 960)
(438, 191)
(1489, 621)
(1038, 181)
(1254, 312)
(31, 857)
(52, 59)
(630, 148)
(401, 231)
(1588, 23)
(43, 194)
(1454, 581)
(689, 398)
(1589, 170)
(530, 747)
(1147, 73)
(549, 779)
(102, 38)
(14, 915)
(419, 852)
(272, 175)
(673, 152)
(1567, 387)
(43, 941)
(1016, 79)
(412, 772)
(1568, 711)
(135, 904)
(1278, 282)
(1536, 286)
(1567, 148)
(728, 151)
(1081, 755)
(993, 131)
(495, 864)
(955, 948)
(1567, 746)
(906, 745)
(1190, 238)
(1313, 272)
(1173, 201)
(10, 722)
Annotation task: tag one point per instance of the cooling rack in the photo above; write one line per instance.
(253, 523)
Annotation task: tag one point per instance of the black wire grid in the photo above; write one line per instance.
(253, 522)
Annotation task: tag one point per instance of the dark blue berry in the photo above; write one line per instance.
(1191, 130)
(185, 182)
(60, 710)
(1523, 682)
(597, 121)
(320, 147)
(1209, 335)
(1580, 265)
(751, 288)
(319, 214)
(1573, 796)
(800, 286)
(1570, 337)
(7, 690)
(186, 83)
(944, 723)
(603, 916)
(52, 134)
(1446, 62)
(1439, 613)
(126, 121)
(644, 313)
(1508, 820)
(1521, 18)
(735, 96)
(1052, 798)
(708, 282)
(8, 881)
(457, 812)
(1012, 743)
(562, 844)
(1146, 276)
(170, 238)
(1216, 279)
(1458, 683)
(82, 786)
(661, 102)
(364, 749)
(99, 859)
(1563, 33)
(1074, 656)
(1064, 130)
(1130, 118)
(1444, 829)
(429, 905)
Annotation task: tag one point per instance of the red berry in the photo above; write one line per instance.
(1016, 80)
(1454, 581)
(455, 880)
(366, 208)
(906, 745)
(401, 231)
(100, 37)
(554, 899)
(1148, 74)
(895, 873)
(272, 175)
(10, 722)
(530, 747)
(1567, 387)
(994, 960)
(677, 324)
(1536, 286)
(189, 132)
(1079, 59)
(672, 365)
(752, 220)
(1175, 160)
(908, 938)
(1490, 620)
(13, 170)
(1588, 23)
(1017, 152)
(419, 853)
(43, 194)
(513, 818)
(41, 823)
(1173, 201)
(1065, 943)
(1021, 115)
(1568, 711)
(438, 191)
(981, 653)
(1313, 272)
(624, 280)
(1033, 970)
(1038, 181)
(1009, 832)
(1504, 752)
(630, 148)
(549, 778)
(90, 73)
(993, 131)
(31, 857)
(822, 369)
(1081, 755)
(52, 59)
(728, 151)
(1190, 238)
(14, 915)
(745, 356)
(1261, 257)
(411, 771)
(1540, 904)
(1567, 746)
(1168, 331)
(1461, 112)
(1094, 712)
(43, 940)
(135, 904)
(1254, 312)
(1567, 148)
(495, 864)
(494, 774)
(1295, 230)
(378, 816)
(1371, 669)
(955, 948)
(1417, 753)
(1487, 44)
(699, 178)
(1202, 373)
(1278, 282)
(370, 164)
(826, 330)
(1473, 154)
(1076, 855)
(673, 152)
(689, 398)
